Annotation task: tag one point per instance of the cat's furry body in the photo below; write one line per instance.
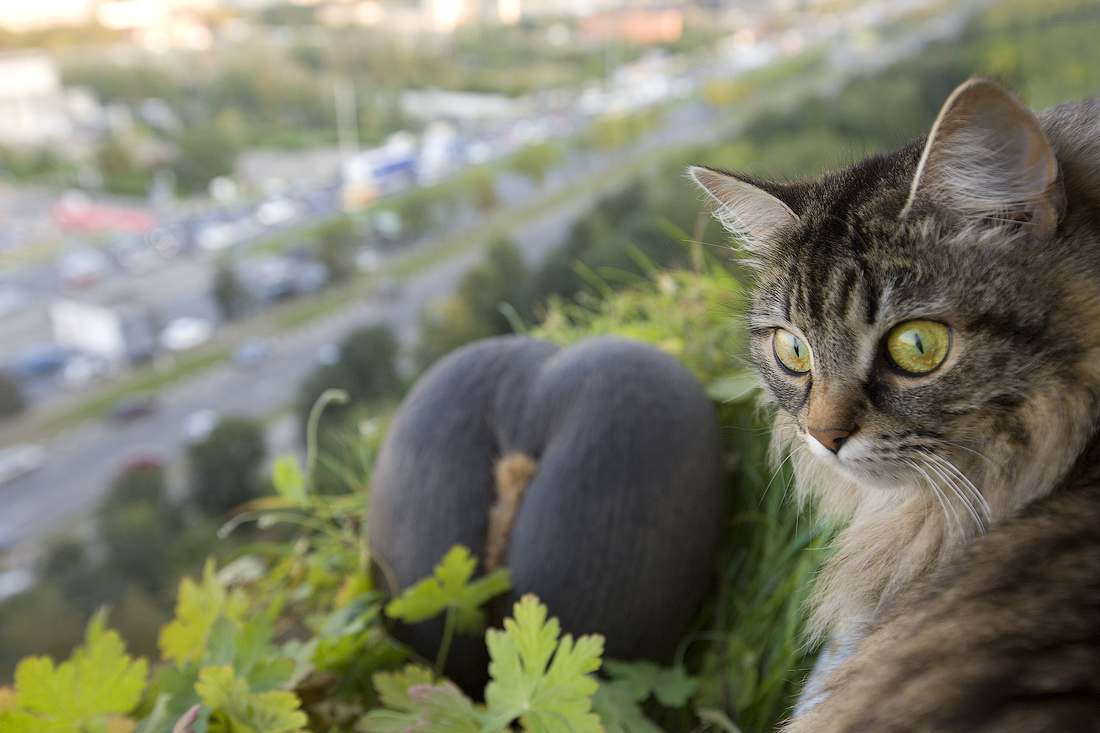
(950, 478)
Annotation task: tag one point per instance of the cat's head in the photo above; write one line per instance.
(920, 320)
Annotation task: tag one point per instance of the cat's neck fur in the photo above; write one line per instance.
(896, 536)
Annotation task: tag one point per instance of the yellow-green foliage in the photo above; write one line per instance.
(691, 315)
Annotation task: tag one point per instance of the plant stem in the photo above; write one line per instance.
(445, 642)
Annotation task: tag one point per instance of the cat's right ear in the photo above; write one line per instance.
(750, 213)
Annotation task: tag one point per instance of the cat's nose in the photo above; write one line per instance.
(831, 438)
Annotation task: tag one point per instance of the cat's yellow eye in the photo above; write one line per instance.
(791, 352)
(918, 347)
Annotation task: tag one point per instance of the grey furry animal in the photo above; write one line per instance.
(928, 322)
(623, 507)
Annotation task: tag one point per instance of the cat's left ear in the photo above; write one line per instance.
(987, 160)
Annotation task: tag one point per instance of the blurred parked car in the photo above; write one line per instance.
(131, 407)
(39, 361)
(83, 369)
(251, 352)
(21, 459)
(81, 267)
(199, 424)
(186, 333)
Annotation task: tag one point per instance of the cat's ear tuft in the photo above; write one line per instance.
(750, 213)
(987, 160)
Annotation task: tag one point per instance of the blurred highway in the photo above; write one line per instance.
(83, 460)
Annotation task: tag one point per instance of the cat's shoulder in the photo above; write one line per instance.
(1007, 637)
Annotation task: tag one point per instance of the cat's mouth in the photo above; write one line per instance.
(863, 464)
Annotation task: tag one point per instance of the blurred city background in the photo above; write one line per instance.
(213, 210)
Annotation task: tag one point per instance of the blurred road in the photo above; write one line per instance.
(84, 459)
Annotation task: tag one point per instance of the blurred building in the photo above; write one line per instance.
(641, 26)
(20, 16)
(33, 108)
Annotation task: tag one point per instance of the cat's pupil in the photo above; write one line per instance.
(914, 338)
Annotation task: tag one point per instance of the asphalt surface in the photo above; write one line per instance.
(84, 459)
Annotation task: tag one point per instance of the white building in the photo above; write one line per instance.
(32, 102)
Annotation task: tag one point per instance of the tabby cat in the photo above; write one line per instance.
(928, 323)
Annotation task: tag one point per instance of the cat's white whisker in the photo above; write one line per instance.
(963, 488)
(938, 489)
(976, 493)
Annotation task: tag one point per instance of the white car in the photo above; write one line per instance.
(17, 460)
(199, 424)
(186, 333)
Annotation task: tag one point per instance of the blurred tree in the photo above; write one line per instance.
(481, 184)
(139, 548)
(474, 311)
(141, 482)
(498, 279)
(366, 369)
(39, 621)
(535, 161)
(225, 467)
(230, 295)
(11, 396)
(138, 524)
(337, 248)
(204, 153)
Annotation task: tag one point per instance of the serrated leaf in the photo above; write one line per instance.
(420, 705)
(444, 709)
(393, 687)
(619, 711)
(100, 681)
(231, 698)
(450, 589)
(198, 607)
(248, 649)
(672, 686)
(288, 480)
(538, 679)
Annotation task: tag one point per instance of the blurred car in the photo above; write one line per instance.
(199, 424)
(131, 407)
(83, 369)
(21, 459)
(81, 267)
(39, 361)
(251, 352)
(186, 333)
(13, 298)
(328, 354)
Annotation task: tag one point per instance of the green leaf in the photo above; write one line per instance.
(672, 686)
(538, 679)
(444, 709)
(197, 608)
(288, 480)
(717, 719)
(99, 680)
(237, 707)
(450, 589)
(393, 687)
(416, 704)
(619, 711)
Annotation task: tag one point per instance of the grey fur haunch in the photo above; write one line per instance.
(618, 527)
